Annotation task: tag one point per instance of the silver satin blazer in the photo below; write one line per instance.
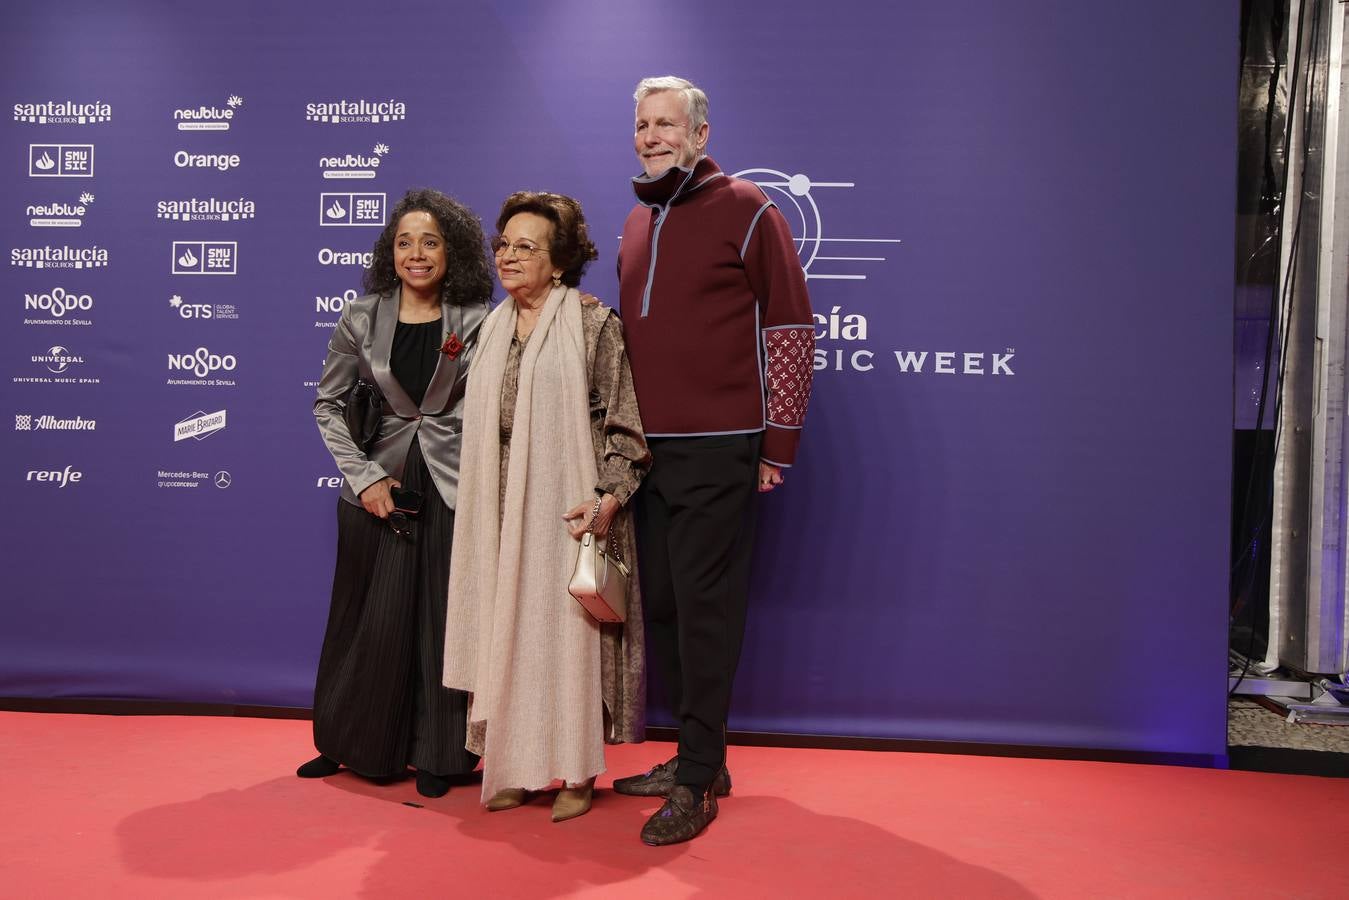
(361, 346)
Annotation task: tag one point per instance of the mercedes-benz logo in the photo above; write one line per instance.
(223, 479)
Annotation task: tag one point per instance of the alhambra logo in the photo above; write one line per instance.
(64, 257)
(344, 112)
(206, 209)
(60, 215)
(208, 118)
(63, 112)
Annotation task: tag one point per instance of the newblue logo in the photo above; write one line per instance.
(60, 160)
(208, 118)
(336, 112)
(205, 257)
(60, 215)
(63, 112)
(208, 209)
(354, 165)
(351, 209)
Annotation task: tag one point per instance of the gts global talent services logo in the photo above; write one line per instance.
(206, 209)
(346, 112)
(354, 165)
(63, 112)
(60, 160)
(208, 118)
(215, 311)
(60, 215)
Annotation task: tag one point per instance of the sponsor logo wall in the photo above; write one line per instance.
(979, 479)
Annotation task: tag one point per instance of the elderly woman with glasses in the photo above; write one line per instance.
(553, 448)
(379, 702)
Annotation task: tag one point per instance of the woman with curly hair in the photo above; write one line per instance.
(379, 705)
(554, 448)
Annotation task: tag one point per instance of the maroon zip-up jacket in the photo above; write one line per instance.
(715, 312)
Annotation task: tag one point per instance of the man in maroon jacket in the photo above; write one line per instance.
(721, 342)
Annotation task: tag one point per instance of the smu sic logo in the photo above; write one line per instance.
(202, 362)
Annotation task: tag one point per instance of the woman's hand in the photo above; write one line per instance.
(578, 517)
(589, 299)
(376, 498)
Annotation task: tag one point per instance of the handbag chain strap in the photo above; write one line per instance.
(611, 548)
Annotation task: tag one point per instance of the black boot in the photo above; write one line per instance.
(429, 785)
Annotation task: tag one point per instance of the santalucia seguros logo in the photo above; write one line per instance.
(63, 257)
(63, 112)
(202, 363)
(206, 209)
(338, 112)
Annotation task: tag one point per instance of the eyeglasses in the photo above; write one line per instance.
(500, 247)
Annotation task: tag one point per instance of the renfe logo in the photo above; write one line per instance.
(59, 477)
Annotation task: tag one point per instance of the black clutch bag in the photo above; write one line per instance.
(362, 408)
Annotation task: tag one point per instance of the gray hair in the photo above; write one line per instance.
(695, 101)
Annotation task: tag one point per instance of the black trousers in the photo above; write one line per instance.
(379, 705)
(695, 516)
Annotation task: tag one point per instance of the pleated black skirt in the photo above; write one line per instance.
(379, 705)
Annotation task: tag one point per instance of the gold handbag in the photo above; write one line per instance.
(600, 579)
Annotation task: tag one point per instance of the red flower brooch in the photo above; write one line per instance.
(452, 346)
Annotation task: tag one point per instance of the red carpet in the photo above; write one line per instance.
(110, 806)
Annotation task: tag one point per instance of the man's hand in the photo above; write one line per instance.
(770, 476)
(578, 517)
(376, 498)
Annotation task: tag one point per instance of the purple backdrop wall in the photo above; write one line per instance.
(1009, 521)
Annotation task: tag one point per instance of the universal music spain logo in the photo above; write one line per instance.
(63, 112)
(336, 112)
(208, 118)
(60, 160)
